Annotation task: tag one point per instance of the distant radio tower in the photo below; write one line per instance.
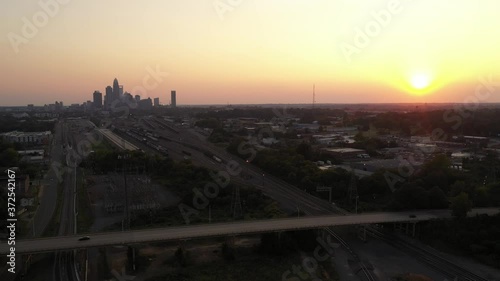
(314, 95)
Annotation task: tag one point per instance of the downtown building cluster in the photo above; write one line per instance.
(115, 94)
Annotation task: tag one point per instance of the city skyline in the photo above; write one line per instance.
(252, 53)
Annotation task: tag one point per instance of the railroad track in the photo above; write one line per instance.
(367, 273)
(433, 260)
(307, 201)
(64, 262)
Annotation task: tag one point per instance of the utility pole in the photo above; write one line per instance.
(209, 213)
(127, 215)
(353, 189)
(314, 95)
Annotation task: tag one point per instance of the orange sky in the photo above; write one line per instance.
(355, 51)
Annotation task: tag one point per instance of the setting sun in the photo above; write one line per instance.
(420, 81)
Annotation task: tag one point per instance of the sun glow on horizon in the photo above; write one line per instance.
(259, 52)
(420, 81)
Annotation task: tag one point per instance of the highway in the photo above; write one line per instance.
(118, 141)
(47, 207)
(225, 229)
(288, 196)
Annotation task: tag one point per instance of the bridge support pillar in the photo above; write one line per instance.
(27, 263)
(414, 227)
(231, 241)
(324, 234)
(362, 232)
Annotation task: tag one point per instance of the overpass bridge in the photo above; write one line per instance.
(39, 245)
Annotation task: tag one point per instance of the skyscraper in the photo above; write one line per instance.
(120, 92)
(97, 99)
(146, 104)
(137, 98)
(173, 99)
(157, 102)
(116, 90)
(109, 97)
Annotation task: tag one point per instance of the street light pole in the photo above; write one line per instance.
(127, 217)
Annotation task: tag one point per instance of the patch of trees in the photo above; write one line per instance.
(283, 243)
(220, 135)
(9, 123)
(478, 123)
(9, 157)
(291, 166)
(412, 196)
(370, 145)
(478, 236)
(210, 123)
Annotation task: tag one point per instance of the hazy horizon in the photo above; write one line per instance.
(256, 52)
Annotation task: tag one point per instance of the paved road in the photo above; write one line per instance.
(224, 229)
(47, 205)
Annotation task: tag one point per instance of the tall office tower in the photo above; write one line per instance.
(109, 97)
(146, 104)
(120, 92)
(97, 99)
(116, 89)
(128, 96)
(157, 102)
(173, 99)
(137, 98)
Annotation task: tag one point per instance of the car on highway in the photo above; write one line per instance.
(84, 238)
(413, 216)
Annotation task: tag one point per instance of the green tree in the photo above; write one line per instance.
(461, 205)
(9, 158)
(457, 188)
(305, 150)
(437, 198)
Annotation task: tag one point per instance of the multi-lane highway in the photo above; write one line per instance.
(177, 138)
(225, 229)
(114, 139)
(47, 207)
